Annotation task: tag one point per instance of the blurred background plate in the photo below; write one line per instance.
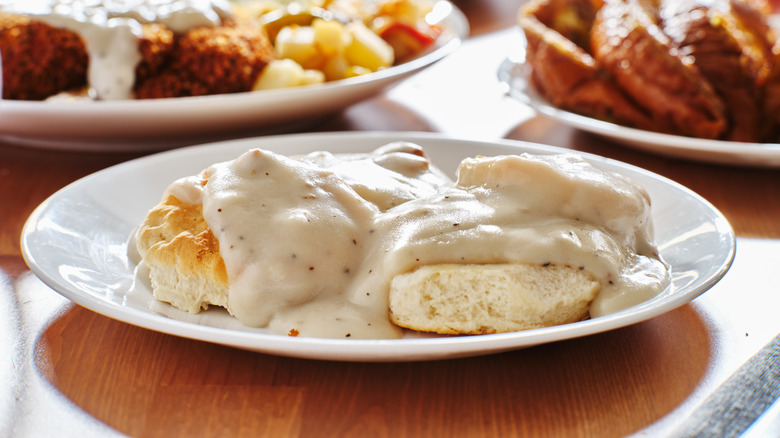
(514, 73)
(144, 125)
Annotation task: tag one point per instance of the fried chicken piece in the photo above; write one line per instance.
(571, 18)
(747, 22)
(40, 60)
(565, 73)
(629, 45)
(771, 102)
(212, 60)
(725, 54)
(758, 41)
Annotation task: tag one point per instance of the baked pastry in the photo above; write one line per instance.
(182, 255)
(360, 245)
(496, 298)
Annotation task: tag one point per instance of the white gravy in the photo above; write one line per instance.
(311, 243)
(111, 29)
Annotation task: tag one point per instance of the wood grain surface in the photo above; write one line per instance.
(67, 371)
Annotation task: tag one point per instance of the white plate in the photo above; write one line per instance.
(514, 75)
(76, 242)
(143, 125)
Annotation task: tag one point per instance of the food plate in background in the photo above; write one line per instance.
(515, 75)
(77, 243)
(156, 124)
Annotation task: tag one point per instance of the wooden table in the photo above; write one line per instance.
(67, 371)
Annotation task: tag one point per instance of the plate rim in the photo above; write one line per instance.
(372, 350)
(513, 74)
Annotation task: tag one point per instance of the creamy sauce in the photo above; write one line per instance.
(111, 29)
(312, 243)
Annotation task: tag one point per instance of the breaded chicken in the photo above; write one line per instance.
(59, 62)
(212, 60)
(40, 60)
(205, 60)
(156, 48)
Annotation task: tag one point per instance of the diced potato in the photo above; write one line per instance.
(311, 77)
(356, 70)
(367, 49)
(330, 37)
(297, 43)
(285, 73)
(336, 68)
(404, 11)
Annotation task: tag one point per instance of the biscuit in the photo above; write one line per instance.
(496, 298)
(185, 266)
